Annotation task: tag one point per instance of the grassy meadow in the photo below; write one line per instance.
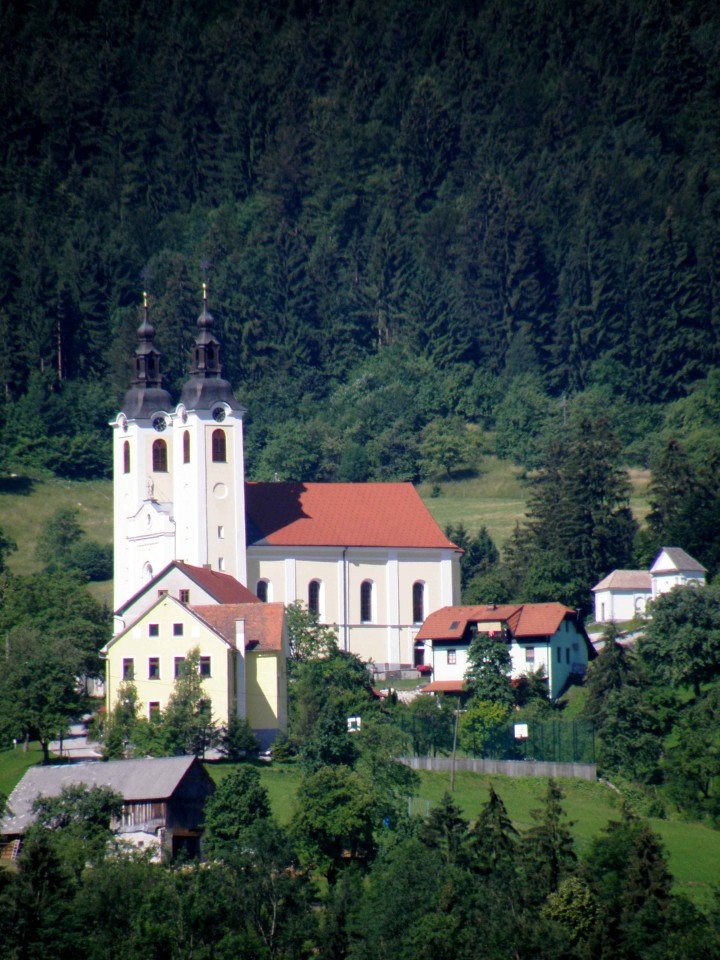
(496, 497)
(26, 505)
(693, 849)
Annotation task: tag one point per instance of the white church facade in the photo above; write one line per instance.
(368, 558)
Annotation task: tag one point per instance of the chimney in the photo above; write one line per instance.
(240, 636)
(240, 675)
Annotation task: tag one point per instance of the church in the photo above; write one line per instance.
(368, 558)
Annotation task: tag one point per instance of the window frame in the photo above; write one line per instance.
(186, 446)
(153, 668)
(205, 668)
(314, 597)
(159, 456)
(218, 442)
(128, 668)
(366, 601)
(418, 601)
(452, 658)
(262, 590)
(126, 456)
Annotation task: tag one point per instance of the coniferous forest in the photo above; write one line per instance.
(412, 216)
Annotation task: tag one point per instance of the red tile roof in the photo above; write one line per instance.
(541, 619)
(340, 514)
(524, 620)
(445, 686)
(263, 623)
(449, 623)
(221, 586)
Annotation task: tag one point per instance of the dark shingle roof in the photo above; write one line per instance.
(137, 780)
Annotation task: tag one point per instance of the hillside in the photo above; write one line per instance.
(411, 215)
(495, 498)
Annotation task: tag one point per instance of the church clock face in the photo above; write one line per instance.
(219, 414)
(159, 424)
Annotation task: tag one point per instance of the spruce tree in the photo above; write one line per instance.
(548, 849)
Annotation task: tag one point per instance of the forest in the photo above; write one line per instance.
(418, 221)
(414, 889)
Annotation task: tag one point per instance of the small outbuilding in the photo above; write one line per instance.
(163, 799)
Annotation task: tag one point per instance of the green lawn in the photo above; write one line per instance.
(14, 763)
(693, 849)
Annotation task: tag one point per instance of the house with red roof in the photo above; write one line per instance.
(192, 585)
(550, 636)
(243, 658)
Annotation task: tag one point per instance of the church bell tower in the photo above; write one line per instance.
(209, 466)
(178, 471)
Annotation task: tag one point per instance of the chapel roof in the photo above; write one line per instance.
(340, 514)
(674, 559)
(264, 623)
(625, 580)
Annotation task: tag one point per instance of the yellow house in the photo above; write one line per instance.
(243, 659)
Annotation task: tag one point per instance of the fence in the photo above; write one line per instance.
(550, 741)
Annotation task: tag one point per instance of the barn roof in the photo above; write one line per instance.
(136, 780)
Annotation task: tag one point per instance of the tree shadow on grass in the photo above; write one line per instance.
(21, 486)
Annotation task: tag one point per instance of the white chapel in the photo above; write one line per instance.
(366, 557)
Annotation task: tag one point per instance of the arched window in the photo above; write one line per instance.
(147, 571)
(159, 451)
(314, 597)
(186, 446)
(366, 604)
(126, 457)
(219, 449)
(418, 601)
(261, 590)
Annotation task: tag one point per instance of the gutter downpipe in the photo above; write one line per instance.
(346, 636)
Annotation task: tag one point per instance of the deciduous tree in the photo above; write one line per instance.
(681, 642)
